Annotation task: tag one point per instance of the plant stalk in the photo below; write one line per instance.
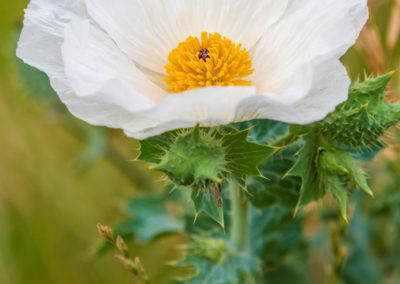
(240, 217)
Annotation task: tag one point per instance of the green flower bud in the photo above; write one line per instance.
(364, 117)
(194, 159)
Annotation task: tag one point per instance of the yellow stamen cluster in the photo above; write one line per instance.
(216, 61)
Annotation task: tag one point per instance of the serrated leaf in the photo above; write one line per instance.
(327, 169)
(339, 191)
(206, 202)
(264, 131)
(276, 189)
(356, 174)
(233, 270)
(154, 148)
(274, 232)
(305, 168)
(242, 156)
(150, 218)
(276, 237)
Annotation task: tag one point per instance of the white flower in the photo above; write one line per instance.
(107, 59)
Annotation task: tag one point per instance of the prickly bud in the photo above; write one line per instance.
(194, 159)
(364, 117)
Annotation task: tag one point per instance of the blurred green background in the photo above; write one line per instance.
(59, 177)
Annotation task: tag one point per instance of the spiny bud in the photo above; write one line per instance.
(194, 159)
(106, 232)
(364, 117)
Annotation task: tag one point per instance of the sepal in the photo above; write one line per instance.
(324, 169)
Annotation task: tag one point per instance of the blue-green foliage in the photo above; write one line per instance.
(301, 165)
(215, 261)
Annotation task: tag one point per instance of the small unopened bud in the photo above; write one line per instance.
(122, 247)
(106, 232)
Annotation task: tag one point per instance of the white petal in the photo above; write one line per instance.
(330, 88)
(97, 68)
(147, 30)
(40, 45)
(43, 33)
(209, 106)
(310, 32)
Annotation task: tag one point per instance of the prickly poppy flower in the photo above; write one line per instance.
(148, 66)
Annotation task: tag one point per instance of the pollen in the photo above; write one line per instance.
(213, 61)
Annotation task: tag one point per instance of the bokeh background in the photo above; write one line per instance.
(59, 177)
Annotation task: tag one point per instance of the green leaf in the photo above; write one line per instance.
(242, 156)
(324, 168)
(274, 233)
(204, 200)
(306, 168)
(215, 262)
(362, 264)
(277, 239)
(264, 131)
(153, 149)
(150, 218)
(277, 189)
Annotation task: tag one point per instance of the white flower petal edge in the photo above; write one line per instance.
(310, 32)
(101, 85)
(322, 99)
(109, 101)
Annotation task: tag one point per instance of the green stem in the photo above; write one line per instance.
(240, 216)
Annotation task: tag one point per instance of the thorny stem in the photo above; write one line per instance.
(240, 216)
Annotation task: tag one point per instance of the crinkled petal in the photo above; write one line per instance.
(43, 33)
(223, 105)
(210, 106)
(97, 68)
(96, 81)
(310, 32)
(330, 88)
(147, 30)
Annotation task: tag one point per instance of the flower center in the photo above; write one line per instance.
(215, 61)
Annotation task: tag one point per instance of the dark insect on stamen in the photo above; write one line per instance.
(203, 54)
